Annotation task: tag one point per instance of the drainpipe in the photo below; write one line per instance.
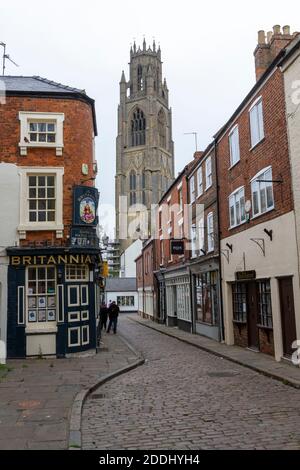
(222, 329)
(143, 282)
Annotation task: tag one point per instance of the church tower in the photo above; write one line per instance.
(145, 150)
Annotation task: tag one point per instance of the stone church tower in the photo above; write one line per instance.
(145, 153)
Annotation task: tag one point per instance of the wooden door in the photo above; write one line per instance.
(288, 322)
(253, 338)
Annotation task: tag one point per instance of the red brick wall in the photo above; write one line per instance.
(78, 146)
(273, 150)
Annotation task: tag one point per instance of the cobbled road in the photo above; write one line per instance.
(185, 398)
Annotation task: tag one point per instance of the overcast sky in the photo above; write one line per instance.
(207, 53)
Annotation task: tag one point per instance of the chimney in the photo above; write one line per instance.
(267, 50)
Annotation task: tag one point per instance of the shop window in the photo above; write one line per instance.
(77, 272)
(265, 304)
(206, 297)
(41, 295)
(239, 298)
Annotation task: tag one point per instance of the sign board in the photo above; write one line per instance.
(177, 247)
(85, 204)
(245, 275)
(81, 236)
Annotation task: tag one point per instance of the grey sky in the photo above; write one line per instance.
(207, 50)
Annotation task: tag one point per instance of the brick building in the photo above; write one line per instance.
(52, 257)
(259, 266)
(146, 264)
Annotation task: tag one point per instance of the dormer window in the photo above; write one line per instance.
(41, 130)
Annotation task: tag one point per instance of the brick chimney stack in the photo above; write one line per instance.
(269, 46)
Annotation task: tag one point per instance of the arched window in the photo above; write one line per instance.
(138, 128)
(132, 187)
(162, 128)
(140, 77)
(144, 200)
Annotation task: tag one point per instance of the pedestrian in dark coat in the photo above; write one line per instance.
(113, 313)
(103, 316)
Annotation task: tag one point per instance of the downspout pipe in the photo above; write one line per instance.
(222, 328)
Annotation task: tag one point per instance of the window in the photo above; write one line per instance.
(77, 272)
(199, 182)
(140, 77)
(237, 207)
(256, 122)
(206, 297)
(132, 187)
(132, 198)
(125, 301)
(264, 304)
(192, 189)
(239, 299)
(234, 146)
(208, 173)
(138, 128)
(162, 252)
(41, 294)
(210, 232)
(41, 198)
(180, 200)
(193, 240)
(162, 128)
(262, 192)
(41, 130)
(201, 237)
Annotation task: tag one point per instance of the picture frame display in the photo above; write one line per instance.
(31, 302)
(51, 301)
(42, 315)
(51, 315)
(32, 316)
(42, 302)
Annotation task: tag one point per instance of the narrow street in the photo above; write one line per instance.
(185, 398)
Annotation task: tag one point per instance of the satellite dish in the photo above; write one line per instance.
(248, 206)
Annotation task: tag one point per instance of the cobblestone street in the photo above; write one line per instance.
(185, 398)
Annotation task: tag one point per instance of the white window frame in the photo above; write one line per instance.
(193, 240)
(192, 189)
(234, 146)
(73, 320)
(77, 267)
(73, 345)
(210, 232)
(259, 176)
(25, 225)
(26, 117)
(208, 173)
(199, 181)
(69, 297)
(256, 120)
(201, 232)
(233, 197)
(87, 328)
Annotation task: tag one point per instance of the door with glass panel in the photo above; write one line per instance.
(78, 311)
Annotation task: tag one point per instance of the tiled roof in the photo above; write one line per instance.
(121, 284)
(36, 84)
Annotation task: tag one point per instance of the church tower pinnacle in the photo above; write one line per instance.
(145, 149)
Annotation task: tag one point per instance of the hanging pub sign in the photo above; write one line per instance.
(85, 204)
(177, 247)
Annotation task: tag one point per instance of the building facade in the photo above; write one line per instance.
(260, 276)
(145, 155)
(146, 281)
(123, 291)
(204, 260)
(52, 257)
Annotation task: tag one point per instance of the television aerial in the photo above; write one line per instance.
(6, 57)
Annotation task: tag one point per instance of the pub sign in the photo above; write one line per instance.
(85, 204)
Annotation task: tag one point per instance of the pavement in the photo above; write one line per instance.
(37, 395)
(185, 398)
(262, 363)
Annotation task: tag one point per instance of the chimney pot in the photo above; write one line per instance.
(276, 29)
(261, 37)
(269, 36)
(286, 30)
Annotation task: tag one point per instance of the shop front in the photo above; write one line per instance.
(178, 302)
(52, 303)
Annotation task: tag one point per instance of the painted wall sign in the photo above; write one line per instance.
(85, 204)
(177, 247)
(51, 260)
(245, 275)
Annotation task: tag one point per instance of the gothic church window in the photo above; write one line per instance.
(132, 187)
(140, 78)
(138, 128)
(162, 128)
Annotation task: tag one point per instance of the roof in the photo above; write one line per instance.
(38, 86)
(121, 284)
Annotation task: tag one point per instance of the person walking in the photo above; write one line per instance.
(113, 313)
(103, 316)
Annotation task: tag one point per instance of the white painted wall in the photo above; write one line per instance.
(113, 297)
(281, 259)
(9, 221)
(128, 267)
